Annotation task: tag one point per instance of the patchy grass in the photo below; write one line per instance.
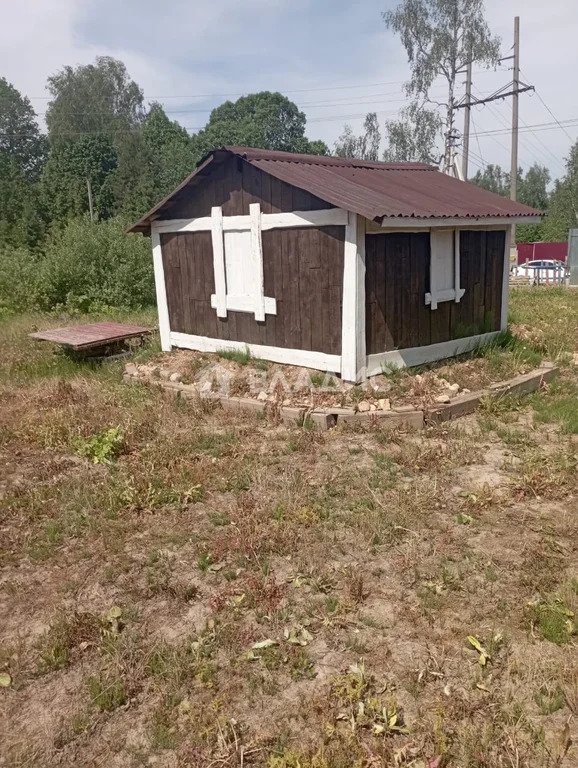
(558, 404)
(243, 358)
(213, 590)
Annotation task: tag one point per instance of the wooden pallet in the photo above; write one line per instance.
(93, 339)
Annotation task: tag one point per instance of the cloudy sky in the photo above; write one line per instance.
(335, 59)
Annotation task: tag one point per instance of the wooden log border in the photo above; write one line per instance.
(404, 416)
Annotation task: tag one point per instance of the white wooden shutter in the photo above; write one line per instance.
(444, 267)
(238, 265)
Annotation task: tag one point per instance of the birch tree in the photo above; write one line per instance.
(440, 37)
(364, 147)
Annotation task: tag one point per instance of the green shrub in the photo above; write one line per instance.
(90, 264)
(87, 266)
(19, 280)
(101, 448)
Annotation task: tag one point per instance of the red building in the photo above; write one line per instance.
(540, 251)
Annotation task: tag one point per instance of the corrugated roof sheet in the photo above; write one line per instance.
(376, 190)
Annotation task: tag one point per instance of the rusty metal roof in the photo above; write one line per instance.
(376, 190)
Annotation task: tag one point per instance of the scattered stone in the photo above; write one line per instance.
(175, 376)
(466, 391)
(384, 404)
(372, 407)
(206, 387)
(287, 402)
(454, 388)
(262, 395)
(363, 406)
(131, 369)
(443, 383)
(443, 399)
(164, 374)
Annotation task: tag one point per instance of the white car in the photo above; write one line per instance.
(543, 271)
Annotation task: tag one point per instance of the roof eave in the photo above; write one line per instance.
(405, 222)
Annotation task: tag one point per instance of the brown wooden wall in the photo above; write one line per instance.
(234, 184)
(303, 271)
(303, 268)
(397, 279)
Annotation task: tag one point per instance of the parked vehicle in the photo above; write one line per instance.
(543, 271)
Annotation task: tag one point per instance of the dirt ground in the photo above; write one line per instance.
(182, 586)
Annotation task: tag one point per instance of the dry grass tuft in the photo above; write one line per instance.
(219, 591)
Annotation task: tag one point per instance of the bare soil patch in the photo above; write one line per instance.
(217, 592)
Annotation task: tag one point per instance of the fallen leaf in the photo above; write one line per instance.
(263, 644)
(5, 680)
(115, 612)
(484, 655)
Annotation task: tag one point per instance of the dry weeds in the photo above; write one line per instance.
(219, 592)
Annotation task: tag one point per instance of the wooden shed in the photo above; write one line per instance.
(330, 263)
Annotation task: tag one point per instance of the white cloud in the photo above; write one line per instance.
(186, 47)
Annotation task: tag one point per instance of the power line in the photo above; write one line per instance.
(552, 114)
(365, 99)
(479, 145)
(529, 148)
(569, 122)
(284, 90)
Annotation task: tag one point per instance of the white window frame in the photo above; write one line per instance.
(222, 300)
(437, 295)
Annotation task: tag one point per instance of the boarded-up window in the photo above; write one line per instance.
(239, 272)
(444, 267)
(238, 265)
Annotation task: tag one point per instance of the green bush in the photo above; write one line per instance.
(87, 266)
(19, 280)
(97, 263)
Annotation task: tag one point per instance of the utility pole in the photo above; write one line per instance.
(514, 89)
(90, 204)
(467, 111)
(515, 97)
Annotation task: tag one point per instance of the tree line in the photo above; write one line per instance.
(102, 142)
(99, 133)
(104, 148)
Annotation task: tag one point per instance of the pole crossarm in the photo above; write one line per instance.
(498, 95)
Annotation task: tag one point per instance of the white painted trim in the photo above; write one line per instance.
(413, 223)
(203, 224)
(448, 295)
(433, 298)
(457, 258)
(162, 305)
(257, 261)
(420, 355)
(246, 304)
(360, 271)
(506, 282)
(349, 312)
(321, 218)
(219, 261)
(306, 358)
